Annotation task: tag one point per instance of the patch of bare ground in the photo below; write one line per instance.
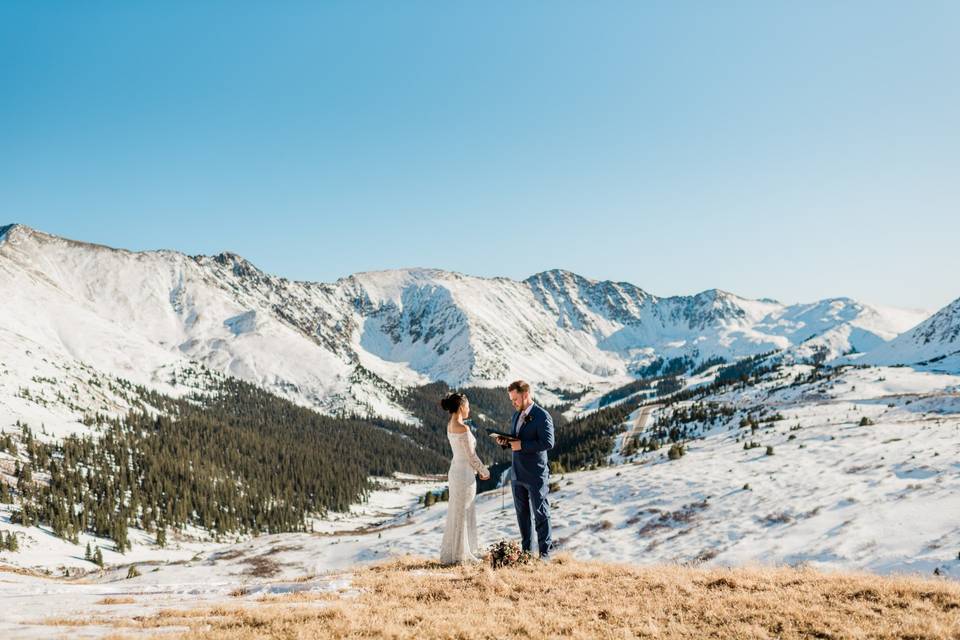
(116, 600)
(261, 567)
(229, 554)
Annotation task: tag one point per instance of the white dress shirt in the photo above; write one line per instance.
(519, 423)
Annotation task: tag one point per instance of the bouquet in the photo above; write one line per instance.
(507, 553)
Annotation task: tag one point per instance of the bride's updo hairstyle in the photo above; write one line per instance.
(452, 402)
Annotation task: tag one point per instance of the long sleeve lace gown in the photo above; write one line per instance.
(460, 535)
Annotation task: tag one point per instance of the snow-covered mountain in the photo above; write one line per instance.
(148, 317)
(639, 326)
(934, 343)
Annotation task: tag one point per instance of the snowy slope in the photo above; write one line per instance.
(350, 344)
(835, 494)
(934, 343)
(639, 326)
(137, 316)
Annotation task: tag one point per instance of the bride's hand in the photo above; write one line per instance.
(484, 477)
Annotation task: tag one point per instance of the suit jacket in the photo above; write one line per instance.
(536, 438)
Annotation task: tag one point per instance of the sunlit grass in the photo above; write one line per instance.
(415, 598)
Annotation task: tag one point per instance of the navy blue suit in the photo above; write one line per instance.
(529, 476)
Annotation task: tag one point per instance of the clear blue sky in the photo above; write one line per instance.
(796, 150)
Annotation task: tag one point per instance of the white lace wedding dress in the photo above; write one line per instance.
(460, 535)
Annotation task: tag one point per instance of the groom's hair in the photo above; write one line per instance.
(520, 386)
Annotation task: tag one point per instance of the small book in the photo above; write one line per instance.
(500, 434)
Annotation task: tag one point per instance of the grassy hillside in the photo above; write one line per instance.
(412, 598)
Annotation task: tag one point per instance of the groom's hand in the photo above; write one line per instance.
(515, 445)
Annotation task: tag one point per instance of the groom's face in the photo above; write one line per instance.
(519, 400)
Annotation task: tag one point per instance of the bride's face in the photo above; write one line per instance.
(465, 409)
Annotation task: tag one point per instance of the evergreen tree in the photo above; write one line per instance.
(98, 557)
(86, 554)
(119, 534)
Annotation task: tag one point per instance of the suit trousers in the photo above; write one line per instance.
(527, 498)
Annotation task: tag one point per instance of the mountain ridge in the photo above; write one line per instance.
(137, 313)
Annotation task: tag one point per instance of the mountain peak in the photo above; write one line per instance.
(237, 263)
(715, 294)
(411, 272)
(11, 231)
(555, 275)
(17, 232)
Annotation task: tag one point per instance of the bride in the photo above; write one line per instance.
(460, 535)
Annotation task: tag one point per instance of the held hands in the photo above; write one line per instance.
(485, 476)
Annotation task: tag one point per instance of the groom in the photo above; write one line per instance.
(533, 427)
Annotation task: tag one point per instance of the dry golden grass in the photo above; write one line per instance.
(411, 598)
(113, 600)
(9, 568)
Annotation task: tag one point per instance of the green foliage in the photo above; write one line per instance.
(132, 572)
(628, 389)
(676, 451)
(587, 441)
(683, 422)
(25, 477)
(743, 369)
(239, 460)
(665, 368)
(630, 446)
(706, 364)
(7, 444)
